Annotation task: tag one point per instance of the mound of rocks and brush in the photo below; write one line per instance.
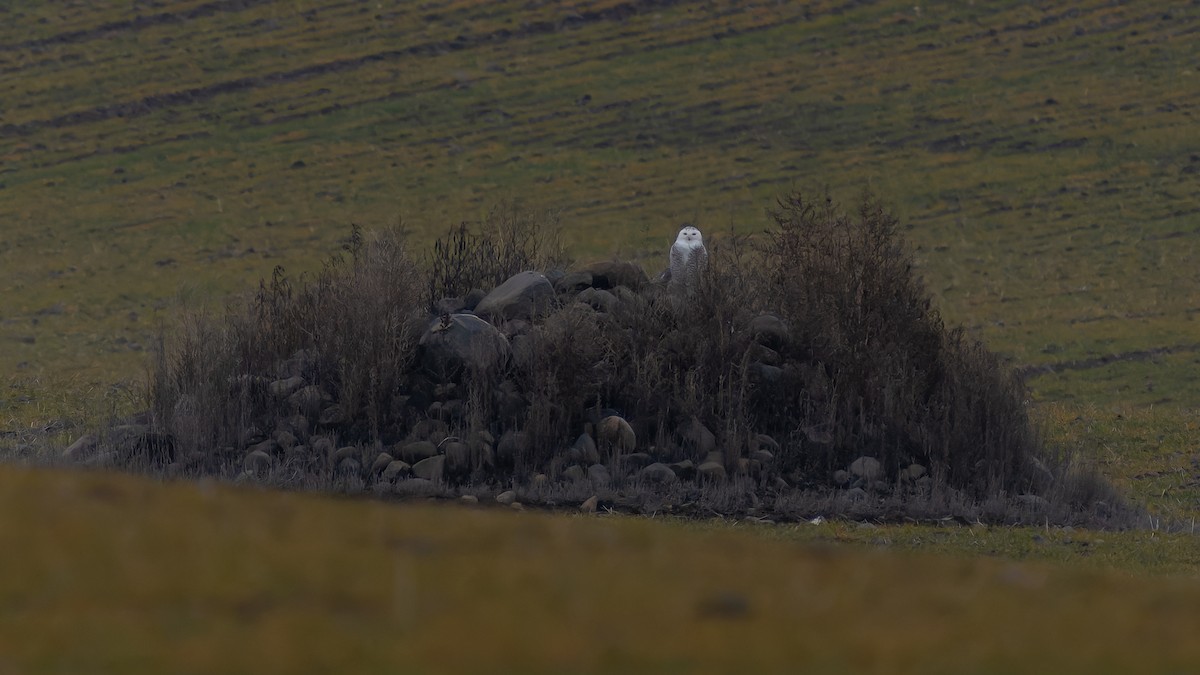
(595, 388)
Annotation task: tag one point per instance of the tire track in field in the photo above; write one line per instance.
(137, 23)
(149, 104)
(1038, 370)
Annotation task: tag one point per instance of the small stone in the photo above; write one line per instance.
(856, 494)
(381, 463)
(83, 445)
(344, 453)
(765, 442)
(257, 462)
(331, 416)
(430, 468)
(284, 388)
(867, 468)
(322, 446)
(914, 471)
(540, 480)
(636, 460)
(517, 506)
(658, 473)
(394, 470)
(469, 499)
(307, 400)
(1032, 501)
(685, 469)
(507, 497)
(841, 477)
(586, 447)
(763, 457)
(614, 433)
(458, 458)
(415, 452)
(598, 474)
(574, 473)
(348, 466)
(589, 505)
(714, 471)
(285, 439)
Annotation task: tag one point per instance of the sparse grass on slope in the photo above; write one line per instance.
(117, 574)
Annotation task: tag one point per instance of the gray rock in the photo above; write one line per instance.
(257, 462)
(587, 449)
(382, 460)
(598, 299)
(469, 499)
(574, 473)
(523, 296)
(308, 400)
(817, 437)
(346, 452)
(417, 451)
(1035, 502)
(83, 446)
(769, 330)
(430, 468)
(598, 475)
(842, 477)
(765, 442)
(714, 471)
(685, 469)
(867, 468)
(349, 466)
(394, 470)
(615, 434)
(472, 298)
(285, 439)
(573, 282)
(763, 457)
(856, 494)
(762, 372)
(458, 458)
(636, 460)
(507, 497)
(331, 416)
(589, 505)
(658, 473)
(455, 342)
(322, 446)
(913, 472)
(614, 273)
(714, 456)
(281, 389)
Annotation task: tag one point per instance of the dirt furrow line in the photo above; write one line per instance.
(137, 23)
(149, 104)
(1038, 370)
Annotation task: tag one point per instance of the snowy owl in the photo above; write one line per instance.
(688, 259)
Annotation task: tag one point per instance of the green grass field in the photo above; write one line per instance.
(159, 155)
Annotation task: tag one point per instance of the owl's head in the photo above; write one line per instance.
(689, 236)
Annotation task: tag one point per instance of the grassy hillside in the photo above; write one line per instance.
(1041, 155)
(223, 580)
(157, 154)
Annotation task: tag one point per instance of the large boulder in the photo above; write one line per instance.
(613, 273)
(456, 342)
(524, 296)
